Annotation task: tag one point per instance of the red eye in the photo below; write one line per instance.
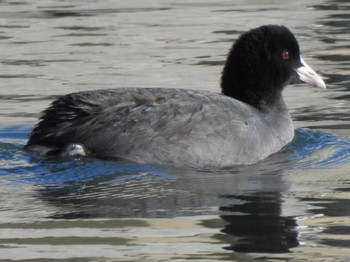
(285, 55)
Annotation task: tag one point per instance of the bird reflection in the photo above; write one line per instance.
(259, 225)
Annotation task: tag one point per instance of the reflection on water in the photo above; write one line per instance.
(260, 225)
(292, 206)
(274, 207)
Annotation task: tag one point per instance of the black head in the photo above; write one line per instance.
(260, 64)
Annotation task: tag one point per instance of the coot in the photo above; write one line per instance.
(246, 123)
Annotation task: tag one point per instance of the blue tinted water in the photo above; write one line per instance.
(310, 152)
(310, 149)
(264, 204)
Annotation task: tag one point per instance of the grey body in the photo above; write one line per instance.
(246, 123)
(178, 127)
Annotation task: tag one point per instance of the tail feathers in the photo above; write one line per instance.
(57, 123)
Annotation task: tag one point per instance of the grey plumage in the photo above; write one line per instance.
(246, 123)
(177, 127)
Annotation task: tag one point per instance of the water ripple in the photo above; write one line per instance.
(316, 149)
(310, 150)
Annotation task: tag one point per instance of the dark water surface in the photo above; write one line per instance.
(293, 206)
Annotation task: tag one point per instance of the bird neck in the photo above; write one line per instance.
(257, 94)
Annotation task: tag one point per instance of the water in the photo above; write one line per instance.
(293, 206)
